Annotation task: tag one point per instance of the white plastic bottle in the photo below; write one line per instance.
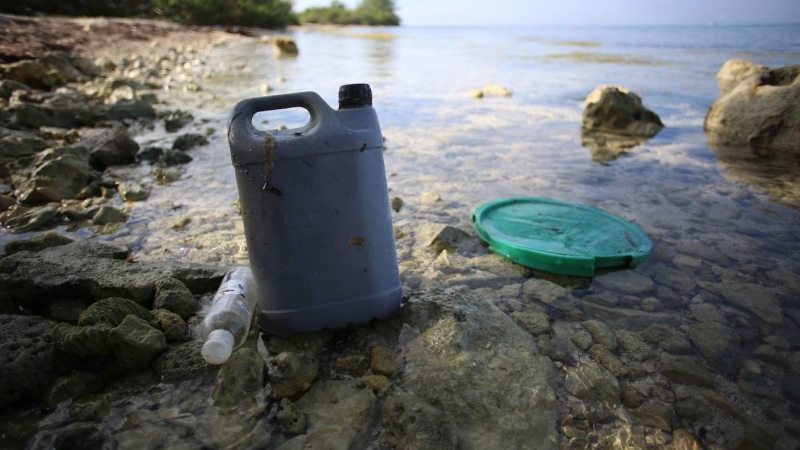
(227, 323)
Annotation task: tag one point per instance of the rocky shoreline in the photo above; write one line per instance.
(698, 350)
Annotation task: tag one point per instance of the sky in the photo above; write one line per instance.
(587, 12)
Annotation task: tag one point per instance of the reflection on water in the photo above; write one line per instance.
(606, 147)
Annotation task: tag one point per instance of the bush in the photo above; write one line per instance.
(370, 12)
(248, 13)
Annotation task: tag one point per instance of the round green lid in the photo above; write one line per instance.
(558, 236)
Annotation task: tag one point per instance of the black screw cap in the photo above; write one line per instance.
(355, 96)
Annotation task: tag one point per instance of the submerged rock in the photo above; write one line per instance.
(616, 109)
(19, 219)
(758, 109)
(461, 340)
(592, 381)
(57, 174)
(291, 418)
(108, 214)
(73, 385)
(37, 243)
(173, 157)
(291, 373)
(131, 191)
(491, 90)
(239, 379)
(720, 345)
(418, 425)
(182, 361)
(760, 300)
(28, 355)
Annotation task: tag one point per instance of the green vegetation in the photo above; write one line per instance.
(254, 13)
(369, 12)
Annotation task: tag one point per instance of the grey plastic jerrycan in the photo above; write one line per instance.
(316, 214)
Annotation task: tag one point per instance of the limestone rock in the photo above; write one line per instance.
(239, 379)
(58, 173)
(174, 296)
(668, 338)
(384, 361)
(615, 109)
(109, 147)
(734, 71)
(112, 311)
(28, 355)
(604, 356)
(134, 342)
(291, 418)
(73, 385)
(654, 414)
(66, 310)
(592, 381)
(20, 219)
(625, 281)
(534, 322)
(463, 339)
(340, 416)
(601, 333)
(291, 373)
(720, 345)
(491, 90)
(37, 243)
(687, 370)
(83, 341)
(171, 324)
(33, 73)
(108, 214)
(549, 293)
(379, 384)
(582, 339)
(131, 191)
(188, 141)
(418, 425)
(182, 361)
(440, 237)
(761, 301)
(760, 111)
(35, 116)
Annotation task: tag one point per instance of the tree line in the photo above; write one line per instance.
(249, 13)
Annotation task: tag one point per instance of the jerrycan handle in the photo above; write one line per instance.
(241, 131)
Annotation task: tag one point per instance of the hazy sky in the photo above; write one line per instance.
(588, 12)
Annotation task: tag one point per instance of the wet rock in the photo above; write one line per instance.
(112, 311)
(19, 219)
(601, 333)
(73, 385)
(693, 408)
(440, 237)
(592, 381)
(626, 437)
(757, 299)
(534, 322)
(379, 384)
(33, 73)
(97, 271)
(683, 440)
(668, 297)
(768, 354)
(85, 65)
(182, 361)
(654, 414)
(82, 340)
(150, 154)
(171, 324)
(631, 319)
(353, 365)
(491, 90)
(7, 87)
(686, 370)
(791, 387)
(675, 279)
(604, 299)
(291, 418)
(291, 373)
(174, 296)
(706, 312)
(758, 112)
(173, 157)
(397, 204)
(720, 345)
(176, 120)
(28, 355)
(384, 361)
(418, 425)
(6, 202)
(625, 281)
(134, 342)
(552, 349)
(668, 338)
(188, 141)
(131, 109)
(609, 361)
(109, 147)
(284, 46)
(108, 214)
(339, 414)
(37, 243)
(36, 116)
(65, 310)
(132, 191)
(16, 145)
(463, 338)
(615, 109)
(58, 173)
(549, 293)
(239, 379)
(582, 339)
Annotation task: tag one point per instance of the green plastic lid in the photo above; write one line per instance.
(558, 236)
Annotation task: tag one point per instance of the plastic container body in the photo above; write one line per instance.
(316, 214)
(227, 322)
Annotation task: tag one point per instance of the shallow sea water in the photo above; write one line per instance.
(446, 152)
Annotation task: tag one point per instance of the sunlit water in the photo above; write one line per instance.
(443, 143)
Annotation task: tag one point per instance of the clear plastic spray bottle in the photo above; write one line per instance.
(227, 323)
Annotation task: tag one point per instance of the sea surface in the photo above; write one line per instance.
(447, 152)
